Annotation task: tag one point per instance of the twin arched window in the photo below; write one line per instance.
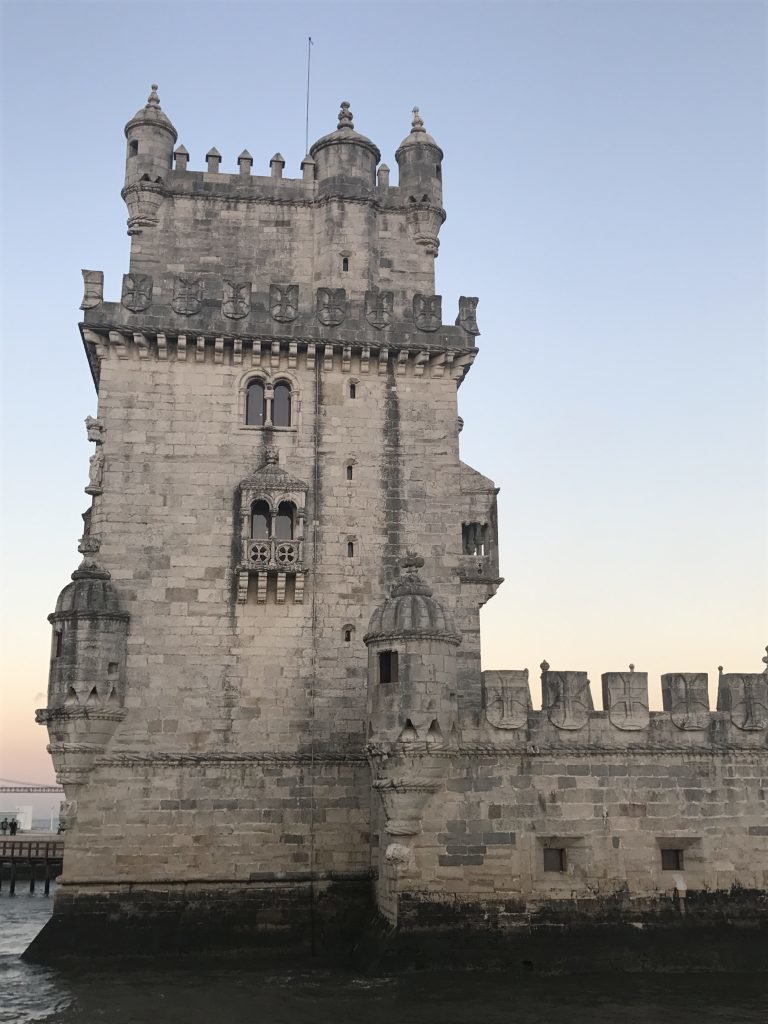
(279, 527)
(266, 406)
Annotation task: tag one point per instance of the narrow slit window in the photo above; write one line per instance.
(347, 636)
(345, 263)
(352, 390)
(58, 643)
(350, 549)
(554, 858)
(349, 472)
(388, 667)
(133, 148)
(671, 860)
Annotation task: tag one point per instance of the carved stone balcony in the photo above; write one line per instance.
(271, 557)
(275, 555)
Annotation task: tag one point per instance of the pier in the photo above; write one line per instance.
(26, 858)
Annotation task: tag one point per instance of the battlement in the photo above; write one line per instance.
(242, 323)
(275, 185)
(568, 717)
(340, 224)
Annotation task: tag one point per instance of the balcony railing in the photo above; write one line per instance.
(273, 555)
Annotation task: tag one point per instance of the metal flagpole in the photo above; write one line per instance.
(309, 61)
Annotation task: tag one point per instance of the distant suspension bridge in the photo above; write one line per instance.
(16, 786)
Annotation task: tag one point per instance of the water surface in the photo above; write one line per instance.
(118, 994)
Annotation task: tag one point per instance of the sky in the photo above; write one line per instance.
(604, 176)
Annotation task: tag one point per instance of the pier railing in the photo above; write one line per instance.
(31, 855)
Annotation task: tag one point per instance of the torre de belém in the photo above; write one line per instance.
(266, 705)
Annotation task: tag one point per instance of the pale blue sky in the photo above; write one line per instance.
(604, 182)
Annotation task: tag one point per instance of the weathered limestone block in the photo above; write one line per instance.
(236, 302)
(404, 799)
(567, 698)
(506, 697)
(745, 696)
(467, 318)
(137, 292)
(686, 698)
(93, 289)
(625, 698)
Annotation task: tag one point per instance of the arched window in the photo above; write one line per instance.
(345, 263)
(260, 520)
(350, 471)
(348, 632)
(350, 549)
(254, 404)
(284, 520)
(281, 408)
(352, 389)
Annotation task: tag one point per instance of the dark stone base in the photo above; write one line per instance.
(279, 920)
(710, 931)
(334, 923)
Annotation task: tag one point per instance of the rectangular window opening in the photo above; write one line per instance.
(671, 860)
(349, 472)
(554, 858)
(388, 667)
(58, 643)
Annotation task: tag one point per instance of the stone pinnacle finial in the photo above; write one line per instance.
(765, 661)
(631, 667)
(417, 124)
(719, 670)
(544, 666)
(153, 100)
(345, 116)
(412, 562)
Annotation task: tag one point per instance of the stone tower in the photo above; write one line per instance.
(265, 701)
(277, 427)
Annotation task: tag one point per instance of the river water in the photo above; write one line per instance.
(115, 994)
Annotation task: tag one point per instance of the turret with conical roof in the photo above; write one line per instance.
(148, 162)
(151, 138)
(419, 159)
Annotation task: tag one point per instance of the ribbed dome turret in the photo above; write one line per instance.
(90, 593)
(151, 114)
(411, 611)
